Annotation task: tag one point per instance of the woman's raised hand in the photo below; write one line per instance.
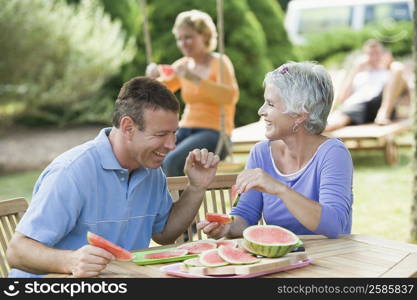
(152, 70)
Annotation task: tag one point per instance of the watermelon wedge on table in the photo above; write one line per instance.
(117, 251)
(166, 254)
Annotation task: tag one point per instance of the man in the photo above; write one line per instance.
(112, 186)
(371, 89)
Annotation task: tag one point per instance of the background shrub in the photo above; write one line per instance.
(55, 58)
(333, 46)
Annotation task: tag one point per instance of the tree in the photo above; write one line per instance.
(271, 17)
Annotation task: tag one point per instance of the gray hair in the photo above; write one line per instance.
(304, 87)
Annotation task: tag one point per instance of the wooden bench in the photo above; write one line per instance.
(358, 137)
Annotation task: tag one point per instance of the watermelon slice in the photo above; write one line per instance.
(211, 258)
(166, 71)
(235, 195)
(117, 251)
(166, 254)
(219, 218)
(237, 256)
(197, 247)
(226, 243)
(269, 240)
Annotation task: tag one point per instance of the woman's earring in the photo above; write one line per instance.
(295, 128)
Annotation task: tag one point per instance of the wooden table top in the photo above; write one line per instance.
(348, 256)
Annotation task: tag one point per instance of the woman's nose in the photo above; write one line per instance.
(261, 110)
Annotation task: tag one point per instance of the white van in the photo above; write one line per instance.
(304, 17)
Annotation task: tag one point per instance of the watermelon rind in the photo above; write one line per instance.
(250, 259)
(203, 259)
(192, 262)
(269, 250)
(243, 244)
(227, 243)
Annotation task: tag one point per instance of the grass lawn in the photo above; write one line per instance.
(382, 194)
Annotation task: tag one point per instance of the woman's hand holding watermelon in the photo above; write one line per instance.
(216, 230)
(213, 229)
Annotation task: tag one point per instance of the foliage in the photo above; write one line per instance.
(284, 4)
(325, 46)
(271, 17)
(57, 56)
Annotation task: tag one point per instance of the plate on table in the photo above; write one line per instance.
(140, 258)
(176, 270)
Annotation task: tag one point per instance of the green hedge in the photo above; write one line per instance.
(271, 17)
(55, 59)
(333, 46)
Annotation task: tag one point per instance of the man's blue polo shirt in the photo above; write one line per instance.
(86, 189)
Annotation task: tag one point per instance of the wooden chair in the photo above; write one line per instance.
(11, 211)
(217, 199)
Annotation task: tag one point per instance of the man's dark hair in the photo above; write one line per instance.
(140, 93)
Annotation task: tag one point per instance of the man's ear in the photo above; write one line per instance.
(127, 126)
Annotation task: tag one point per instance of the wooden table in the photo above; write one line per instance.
(347, 256)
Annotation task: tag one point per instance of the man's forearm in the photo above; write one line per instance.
(31, 256)
(182, 214)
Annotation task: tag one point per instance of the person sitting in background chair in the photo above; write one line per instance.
(371, 89)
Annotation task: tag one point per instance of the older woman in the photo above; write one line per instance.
(203, 90)
(298, 178)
